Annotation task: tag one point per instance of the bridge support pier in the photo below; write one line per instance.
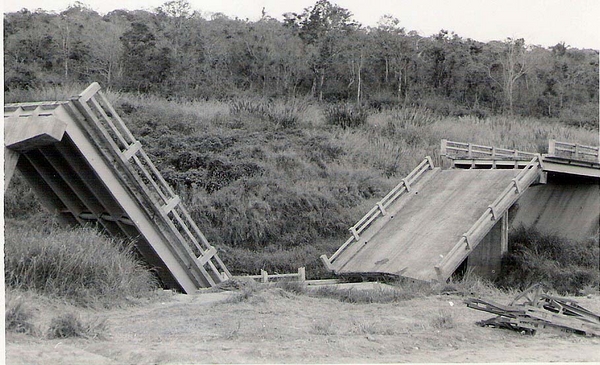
(485, 260)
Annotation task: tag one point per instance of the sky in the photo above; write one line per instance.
(539, 22)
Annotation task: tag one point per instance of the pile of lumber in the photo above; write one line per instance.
(533, 310)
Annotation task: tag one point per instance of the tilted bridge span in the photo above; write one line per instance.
(437, 219)
(86, 166)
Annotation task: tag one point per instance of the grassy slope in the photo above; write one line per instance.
(275, 196)
(273, 185)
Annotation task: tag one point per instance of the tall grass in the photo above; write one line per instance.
(565, 266)
(80, 265)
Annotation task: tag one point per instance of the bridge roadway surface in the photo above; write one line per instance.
(437, 212)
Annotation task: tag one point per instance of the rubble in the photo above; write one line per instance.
(535, 310)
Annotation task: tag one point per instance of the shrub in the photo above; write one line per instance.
(346, 116)
(80, 265)
(565, 266)
(69, 325)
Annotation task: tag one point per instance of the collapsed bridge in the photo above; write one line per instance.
(438, 219)
(85, 165)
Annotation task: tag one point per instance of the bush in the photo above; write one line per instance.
(566, 266)
(80, 265)
(346, 116)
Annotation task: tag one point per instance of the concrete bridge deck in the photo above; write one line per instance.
(86, 166)
(461, 213)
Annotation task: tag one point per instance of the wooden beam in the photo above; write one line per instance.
(23, 134)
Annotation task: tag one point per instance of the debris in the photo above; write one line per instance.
(533, 310)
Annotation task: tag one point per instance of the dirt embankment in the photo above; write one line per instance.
(276, 326)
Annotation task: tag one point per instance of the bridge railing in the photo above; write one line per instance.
(481, 227)
(166, 204)
(380, 207)
(573, 151)
(456, 150)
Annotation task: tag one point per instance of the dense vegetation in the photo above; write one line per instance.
(178, 53)
(275, 184)
(567, 266)
(280, 135)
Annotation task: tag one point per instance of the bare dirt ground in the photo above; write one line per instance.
(276, 326)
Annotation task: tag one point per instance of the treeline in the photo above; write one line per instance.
(322, 52)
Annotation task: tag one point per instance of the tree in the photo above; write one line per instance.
(145, 66)
(29, 49)
(512, 65)
(394, 51)
(321, 27)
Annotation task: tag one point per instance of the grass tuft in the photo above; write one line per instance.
(292, 286)
(69, 325)
(444, 319)
(18, 317)
(323, 328)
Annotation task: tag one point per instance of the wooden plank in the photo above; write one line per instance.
(100, 116)
(85, 174)
(97, 124)
(429, 225)
(44, 193)
(118, 184)
(109, 122)
(113, 112)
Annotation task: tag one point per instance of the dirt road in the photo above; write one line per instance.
(276, 326)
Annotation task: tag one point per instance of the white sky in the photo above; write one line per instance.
(540, 22)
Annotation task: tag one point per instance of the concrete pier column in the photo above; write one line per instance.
(485, 260)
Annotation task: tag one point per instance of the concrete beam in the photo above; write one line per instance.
(10, 164)
(571, 169)
(24, 134)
